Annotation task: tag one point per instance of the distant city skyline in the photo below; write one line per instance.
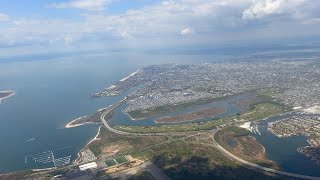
(48, 26)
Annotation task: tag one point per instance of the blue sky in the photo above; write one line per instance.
(55, 26)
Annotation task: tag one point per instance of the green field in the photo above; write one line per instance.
(121, 159)
(110, 162)
(117, 160)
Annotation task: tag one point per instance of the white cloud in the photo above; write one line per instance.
(312, 21)
(264, 8)
(186, 31)
(162, 23)
(167, 3)
(83, 4)
(68, 40)
(4, 17)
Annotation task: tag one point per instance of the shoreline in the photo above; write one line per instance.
(133, 119)
(95, 138)
(78, 159)
(132, 74)
(8, 91)
(73, 123)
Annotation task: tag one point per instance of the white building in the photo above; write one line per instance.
(84, 167)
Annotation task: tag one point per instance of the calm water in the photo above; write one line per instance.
(50, 93)
(228, 104)
(284, 150)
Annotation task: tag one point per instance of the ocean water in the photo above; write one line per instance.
(50, 93)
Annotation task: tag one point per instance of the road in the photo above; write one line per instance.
(244, 162)
(102, 118)
(258, 167)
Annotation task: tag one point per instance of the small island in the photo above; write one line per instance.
(6, 94)
(200, 114)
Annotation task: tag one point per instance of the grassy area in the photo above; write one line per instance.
(236, 131)
(122, 144)
(115, 161)
(186, 160)
(121, 159)
(270, 93)
(238, 141)
(232, 130)
(263, 110)
(110, 162)
(142, 175)
(256, 112)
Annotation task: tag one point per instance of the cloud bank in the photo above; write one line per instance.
(163, 23)
(82, 4)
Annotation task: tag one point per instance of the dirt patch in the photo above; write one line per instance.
(113, 148)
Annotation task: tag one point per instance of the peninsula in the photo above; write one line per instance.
(6, 94)
(92, 119)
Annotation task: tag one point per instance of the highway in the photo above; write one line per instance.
(102, 118)
(258, 167)
(242, 161)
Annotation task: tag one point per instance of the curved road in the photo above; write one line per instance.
(102, 118)
(256, 166)
(242, 161)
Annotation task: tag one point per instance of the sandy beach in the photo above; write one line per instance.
(96, 137)
(79, 158)
(130, 76)
(11, 93)
(74, 123)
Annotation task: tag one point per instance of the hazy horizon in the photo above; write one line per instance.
(44, 28)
